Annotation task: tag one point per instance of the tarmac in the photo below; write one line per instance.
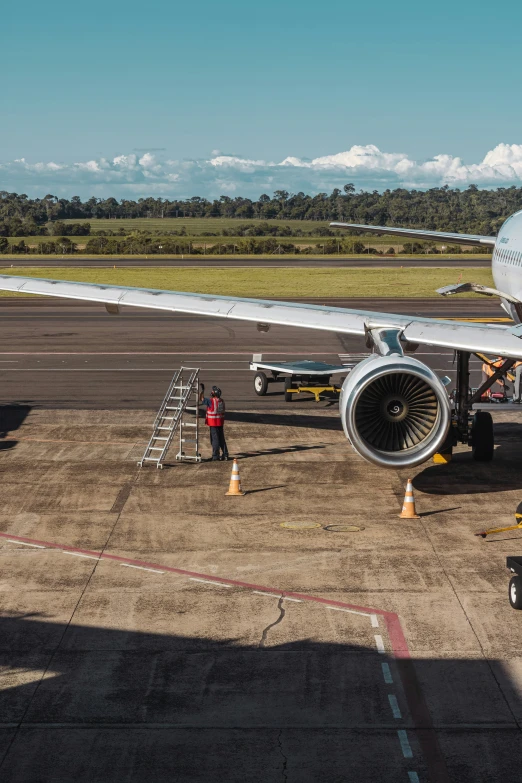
(153, 629)
(59, 353)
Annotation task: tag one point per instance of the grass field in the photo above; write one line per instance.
(193, 226)
(273, 283)
(196, 226)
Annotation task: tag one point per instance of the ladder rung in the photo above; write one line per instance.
(191, 407)
(188, 424)
(155, 448)
(158, 437)
(163, 428)
(151, 459)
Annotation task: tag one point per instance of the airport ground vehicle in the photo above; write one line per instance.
(297, 377)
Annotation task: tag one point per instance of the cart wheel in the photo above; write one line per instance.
(288, 386)
(482, 440)
(515, 592)
(260, 383)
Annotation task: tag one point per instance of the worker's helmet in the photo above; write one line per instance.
(216, 391)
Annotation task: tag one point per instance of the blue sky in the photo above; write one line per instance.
(255, 84)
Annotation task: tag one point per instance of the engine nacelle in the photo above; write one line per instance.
(395, 411)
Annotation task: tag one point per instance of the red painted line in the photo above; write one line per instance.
(420, 714)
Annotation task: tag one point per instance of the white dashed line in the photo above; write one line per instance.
(405, 744)
(380, 644)
(208, 581)
(413, 777)
(23, 543)
(142, 568)
(375, 621)
(394, 704)
(386, 673)
(78, 554)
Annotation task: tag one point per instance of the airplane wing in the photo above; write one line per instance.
(418, 233)
(498, 340)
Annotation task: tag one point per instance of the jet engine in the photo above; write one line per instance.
(395, 411)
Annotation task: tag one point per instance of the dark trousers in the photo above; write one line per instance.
(217, 441)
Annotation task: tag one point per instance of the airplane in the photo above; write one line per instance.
(395, 410)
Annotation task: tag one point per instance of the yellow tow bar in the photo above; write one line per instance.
(315, 390)
(484, 533)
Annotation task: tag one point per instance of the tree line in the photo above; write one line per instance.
(444, 209)
(149, 245)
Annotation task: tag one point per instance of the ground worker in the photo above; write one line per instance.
(215, 419)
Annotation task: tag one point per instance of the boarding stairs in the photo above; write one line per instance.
(182, 398)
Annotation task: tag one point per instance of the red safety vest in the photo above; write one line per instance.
(215, 413)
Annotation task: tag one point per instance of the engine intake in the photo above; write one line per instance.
(395, 411)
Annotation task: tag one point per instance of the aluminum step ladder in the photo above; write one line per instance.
(182, 396)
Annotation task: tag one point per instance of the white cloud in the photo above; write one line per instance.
(367, 167)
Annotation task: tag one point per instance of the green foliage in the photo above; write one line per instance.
(440, 209)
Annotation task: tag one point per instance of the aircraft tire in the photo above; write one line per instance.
(288, 394)
(482, 439)
(515, 592)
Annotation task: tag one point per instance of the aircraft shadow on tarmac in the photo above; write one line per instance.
(11, 418)
(126, 705)
(332, 423)
(277, 450)
(464, 476)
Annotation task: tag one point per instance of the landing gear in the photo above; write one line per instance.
(288, 386)
(482, 440)
(475, 429)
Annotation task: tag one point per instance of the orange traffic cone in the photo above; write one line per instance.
(408, 508)
(235, 482)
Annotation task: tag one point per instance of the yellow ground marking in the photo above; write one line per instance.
(496, 320)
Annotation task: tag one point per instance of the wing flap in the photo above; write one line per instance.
(417, 233)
